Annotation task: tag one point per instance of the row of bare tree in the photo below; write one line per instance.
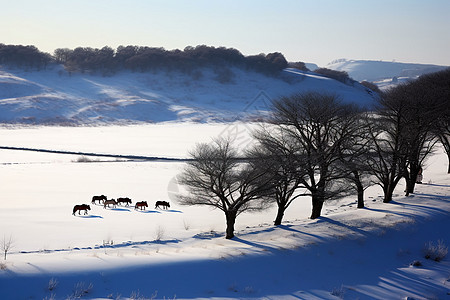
(316, 146)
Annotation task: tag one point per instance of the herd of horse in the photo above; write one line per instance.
(102, 199)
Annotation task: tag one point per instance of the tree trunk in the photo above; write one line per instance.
(410, 186)
(388, 192)
(360, 189)
(231, 219)
(411, 178)
(409, 182)
(448, 157)
(280, 215)
(317, 204)
(445, 142)
(360, 197)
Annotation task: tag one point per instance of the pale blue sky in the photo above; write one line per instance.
(303, 30)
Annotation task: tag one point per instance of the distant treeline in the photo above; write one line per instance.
(139, 58)
(341, 76)
(107, 61)
(142, 59)
(24, 56)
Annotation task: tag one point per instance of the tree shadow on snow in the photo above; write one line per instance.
(256, 245)
(434, 184)
(289, 228)
(339, 224)
(414, 207)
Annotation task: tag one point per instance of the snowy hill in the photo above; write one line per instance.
(55, 96)
(382, 72)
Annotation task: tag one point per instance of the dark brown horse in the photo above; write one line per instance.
(108, 202)
(142, 205)
(125, 200)
(163, 204)
(81, 207)
(101, 198)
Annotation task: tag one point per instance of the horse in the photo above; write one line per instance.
(142, 205)
(108, 202)
(125, 200)
(101, 198)
(163, 204)
(81, 207)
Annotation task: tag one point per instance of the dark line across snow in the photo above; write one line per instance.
(133, 157)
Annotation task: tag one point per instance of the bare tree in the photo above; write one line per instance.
(388, 160)
(420, 121)
(404, 130)
(444, 138)
(217, 177)
(275, 154)
(355, 155)
(62, 55)
(439, 85)
(320, 125)
(5, 245)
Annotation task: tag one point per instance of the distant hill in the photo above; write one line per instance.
(55, 96)
(311, 66)
(382, 72)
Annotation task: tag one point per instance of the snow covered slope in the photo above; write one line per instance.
(381, 70)
(56, 96)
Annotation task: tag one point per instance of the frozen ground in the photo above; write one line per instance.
(181, 253)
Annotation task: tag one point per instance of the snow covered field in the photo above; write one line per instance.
(122, 253)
